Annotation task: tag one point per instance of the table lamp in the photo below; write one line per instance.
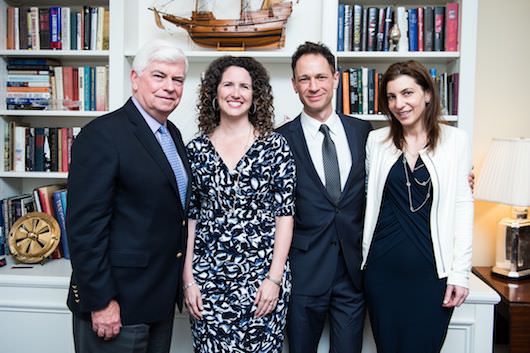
(505, 178)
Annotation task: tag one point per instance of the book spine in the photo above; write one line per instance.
(451, 27)
(413, 29)
(357, 27)
(345, 92)
(439, 14)
(428, 28)
(388, 25)
(348, 23)
(380, 30)
(340, 28)
(420, 29)
(61, 219)
(372, 29)
(44, 28)
(401, 18)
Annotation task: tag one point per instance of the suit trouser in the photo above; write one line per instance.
(139, 338)
(343, 304)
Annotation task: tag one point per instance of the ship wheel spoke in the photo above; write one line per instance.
(44, 237)
(35, 247)
(38, 228)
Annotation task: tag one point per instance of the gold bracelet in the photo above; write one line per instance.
(276, 281)
(188, 285)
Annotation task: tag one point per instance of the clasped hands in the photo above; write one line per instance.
(266, 299)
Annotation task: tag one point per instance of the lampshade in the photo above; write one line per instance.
(505, 176)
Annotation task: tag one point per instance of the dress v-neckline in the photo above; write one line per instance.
(221, 160)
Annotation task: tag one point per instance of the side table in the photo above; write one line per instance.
(514, 307)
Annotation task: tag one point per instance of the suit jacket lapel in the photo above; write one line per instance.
(353, 137)
(148, 140)
(300, 149)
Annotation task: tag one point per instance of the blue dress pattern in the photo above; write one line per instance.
(234, 239)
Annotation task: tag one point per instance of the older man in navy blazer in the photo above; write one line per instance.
(329, 150)
(126, 214)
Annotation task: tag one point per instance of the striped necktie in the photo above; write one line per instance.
(168, 146)
(331, 164)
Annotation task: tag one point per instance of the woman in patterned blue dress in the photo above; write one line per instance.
(236, 273)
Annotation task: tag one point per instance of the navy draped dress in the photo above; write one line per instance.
(403, 293)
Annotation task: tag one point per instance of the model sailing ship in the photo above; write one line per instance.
(263, 28)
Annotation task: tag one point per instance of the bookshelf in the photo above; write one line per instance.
(132, 24)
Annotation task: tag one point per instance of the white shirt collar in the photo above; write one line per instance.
(312, 125)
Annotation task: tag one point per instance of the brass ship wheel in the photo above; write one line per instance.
(33, 237)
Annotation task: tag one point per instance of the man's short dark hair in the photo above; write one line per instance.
(313, 48)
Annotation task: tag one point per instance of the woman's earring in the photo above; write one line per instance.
(253, 108)
(214, 104)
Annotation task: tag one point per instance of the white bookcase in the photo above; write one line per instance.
(131, 25)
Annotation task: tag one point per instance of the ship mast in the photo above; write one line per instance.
(244, 8)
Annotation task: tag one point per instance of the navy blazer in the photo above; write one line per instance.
(322, 228)
(125, 223)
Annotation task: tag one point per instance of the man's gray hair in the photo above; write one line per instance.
(158, 50)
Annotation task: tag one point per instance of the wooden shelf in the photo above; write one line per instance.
(95, 54)
(52, 113)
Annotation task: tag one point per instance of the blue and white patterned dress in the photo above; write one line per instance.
(234, 239)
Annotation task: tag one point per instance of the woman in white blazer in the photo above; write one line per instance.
(419, 216)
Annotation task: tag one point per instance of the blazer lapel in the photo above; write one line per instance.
(353, 138)
(150, 143)
(300, 149)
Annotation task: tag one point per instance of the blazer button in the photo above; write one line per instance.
(184, 223)
(179, 255)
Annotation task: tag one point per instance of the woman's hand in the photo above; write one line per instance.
(193, 300)
(454, 296)
(266, 298)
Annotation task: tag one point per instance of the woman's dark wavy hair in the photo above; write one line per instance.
(432, 113)
(262, 118)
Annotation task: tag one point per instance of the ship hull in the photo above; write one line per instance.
(259, 29)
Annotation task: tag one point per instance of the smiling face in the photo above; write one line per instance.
(315, 82)
(159, 87)
(407, 101)
(234, 93)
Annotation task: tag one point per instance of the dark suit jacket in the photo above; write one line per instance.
(125, 223)
(322, 227)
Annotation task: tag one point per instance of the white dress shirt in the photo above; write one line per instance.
(314, 139)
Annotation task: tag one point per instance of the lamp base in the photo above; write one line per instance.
(510, 274)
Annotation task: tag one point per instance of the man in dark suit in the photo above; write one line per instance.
(126, 226)
(329, 150)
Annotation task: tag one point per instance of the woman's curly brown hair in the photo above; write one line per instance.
(262, 117)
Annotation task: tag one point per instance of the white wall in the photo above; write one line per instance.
(502, 78)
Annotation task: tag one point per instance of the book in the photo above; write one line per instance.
(345, 92)
(373, 16)
(10, 31)
(413, 29)
(23, 25)
(401, 19)
(388, 25)
(347, 28)
(55, 27)
(420, 29)
(357, 27)
(44, 27)
(439, 14)
(340, 28)
(428, 28)
(65, 28)
(451, 26)
(61, 219)
(34, 28)
(354, 91)
(380, 30)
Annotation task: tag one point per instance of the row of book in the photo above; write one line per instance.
(37, 149)
(429, 28)
(66, 28)
(358, 91)
(50, 199)
(34, 83)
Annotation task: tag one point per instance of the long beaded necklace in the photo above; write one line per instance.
(237, 194)
(427, 183)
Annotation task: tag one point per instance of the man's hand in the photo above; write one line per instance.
(106, 323)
